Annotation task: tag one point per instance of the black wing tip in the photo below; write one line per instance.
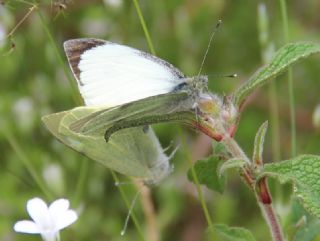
(69, 44)
(82, 44)
(74, 48)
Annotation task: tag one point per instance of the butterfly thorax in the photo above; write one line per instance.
(196, 85)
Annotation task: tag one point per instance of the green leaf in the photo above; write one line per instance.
(258, 145)
(284, 57)
(308, 232)
(219, 149)
(231, 163)
(206, 171)
(234, 233)
(131, 152)
(304, 172)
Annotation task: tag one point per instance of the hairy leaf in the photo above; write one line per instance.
(234, 233)
(231, 163)
(308, 232)
(258, 144)
(304, 172)
(284, 58)
(219, 149)
(207, 173)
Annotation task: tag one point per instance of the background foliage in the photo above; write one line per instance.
(34, 82)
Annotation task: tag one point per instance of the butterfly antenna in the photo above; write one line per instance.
(223, 75)
(209, 44)
(117, 184)
(123, 231)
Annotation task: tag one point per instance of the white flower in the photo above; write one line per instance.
(113, 3)
(47, 221)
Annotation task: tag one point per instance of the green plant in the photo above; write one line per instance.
(300, 170)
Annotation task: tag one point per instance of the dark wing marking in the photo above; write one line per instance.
(74, 48)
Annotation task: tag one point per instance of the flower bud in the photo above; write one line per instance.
(210, 104)
(229, 112)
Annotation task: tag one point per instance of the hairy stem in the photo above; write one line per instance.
(262, 193)
(269, 215)
(234, 148)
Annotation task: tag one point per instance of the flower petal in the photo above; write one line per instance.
(57, 210)
(38, 211)
(26, 226)
(68, 218)
(59, 206)
(50, 236)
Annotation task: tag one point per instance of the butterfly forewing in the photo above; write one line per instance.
(112, 74)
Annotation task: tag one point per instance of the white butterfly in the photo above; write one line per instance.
(111, 74)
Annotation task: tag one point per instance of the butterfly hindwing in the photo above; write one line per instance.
(131, 152)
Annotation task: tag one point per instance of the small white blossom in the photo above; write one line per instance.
(316, 117)
(113, 3)
(47, 221)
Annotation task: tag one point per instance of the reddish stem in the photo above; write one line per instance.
(262, 193)
(207, 130)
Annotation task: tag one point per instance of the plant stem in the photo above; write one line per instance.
(267, 51)
(22, 20)
(26, 162)
(272, 220)
(234, 148)
(144, 26)
(84, 166)
(153, 232)
(268, 212)
(284, 16)
(76, 97)
(81, 184)
(262, 193)
(274, 112)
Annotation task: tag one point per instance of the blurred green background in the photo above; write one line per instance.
(34, 82)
